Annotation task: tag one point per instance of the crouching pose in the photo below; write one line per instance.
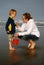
(28, 31)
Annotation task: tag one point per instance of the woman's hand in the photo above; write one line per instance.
(17, 24)
(16, 34)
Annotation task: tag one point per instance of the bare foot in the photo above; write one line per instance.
(29, 45)
(32, 46)
(12, 49)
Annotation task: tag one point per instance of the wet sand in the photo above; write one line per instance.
(22, 56)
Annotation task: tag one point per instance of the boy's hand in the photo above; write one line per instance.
(7, 31)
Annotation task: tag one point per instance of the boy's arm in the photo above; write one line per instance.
(8, 27)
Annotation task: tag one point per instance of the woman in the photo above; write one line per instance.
(28, 31)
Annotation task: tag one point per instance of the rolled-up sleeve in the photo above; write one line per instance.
(28, 31)
(21, 28)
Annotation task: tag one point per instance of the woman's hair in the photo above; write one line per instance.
(12, 11)
(27, 15)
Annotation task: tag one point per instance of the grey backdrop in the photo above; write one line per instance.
(35, 7)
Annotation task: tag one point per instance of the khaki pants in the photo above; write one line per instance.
(10, 37)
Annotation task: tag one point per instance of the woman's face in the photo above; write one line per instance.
(24, 19)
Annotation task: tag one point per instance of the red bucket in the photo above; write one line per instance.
(15, 41)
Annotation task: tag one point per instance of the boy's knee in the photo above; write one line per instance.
(10, 38)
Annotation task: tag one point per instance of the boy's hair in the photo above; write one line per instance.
(11, 11)
(27, 15)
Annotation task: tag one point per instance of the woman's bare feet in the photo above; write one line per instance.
(29, 45)
(32, 46)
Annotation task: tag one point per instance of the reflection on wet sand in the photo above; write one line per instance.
(13, 57)
(21, 56)
(31, 53)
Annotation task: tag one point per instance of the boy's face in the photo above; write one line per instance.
(24, 19)
(13, 14)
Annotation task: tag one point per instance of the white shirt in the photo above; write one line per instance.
(29, 28)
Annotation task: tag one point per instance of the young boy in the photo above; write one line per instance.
(10, 27)
(28, 30)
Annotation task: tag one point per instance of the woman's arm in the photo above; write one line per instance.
(29, 30)
(21, 28)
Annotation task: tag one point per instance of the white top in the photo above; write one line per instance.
(29, 28)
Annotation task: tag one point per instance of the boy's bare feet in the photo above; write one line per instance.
(12, 49)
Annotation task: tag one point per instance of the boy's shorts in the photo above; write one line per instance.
(10, 37)
(29, 37)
